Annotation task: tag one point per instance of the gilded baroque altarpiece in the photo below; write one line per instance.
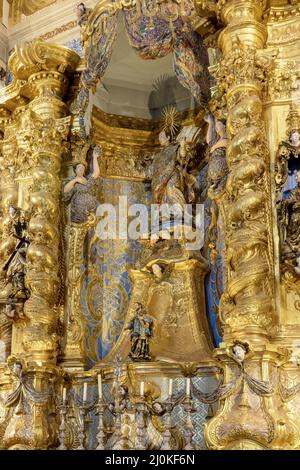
(145, 344)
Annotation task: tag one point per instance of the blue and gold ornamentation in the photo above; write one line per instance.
(106, 286)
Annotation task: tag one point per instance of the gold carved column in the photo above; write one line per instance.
(43, 129)
(36, 131)
(9, 197)
(248, 415)
(247, 305)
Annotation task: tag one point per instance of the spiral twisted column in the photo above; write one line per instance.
(247, 304)
(250, 415)
(35, 124)
(9, 198)
(43, 132)
(9, 185)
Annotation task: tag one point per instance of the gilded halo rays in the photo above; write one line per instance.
(171, 120)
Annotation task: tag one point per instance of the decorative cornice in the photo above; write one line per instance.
(275, 15)
(33, 57)
(125, 122)
(124, 131)
(60, 17)
(127, 144)
(26, 7)
(60, 29)
(285, 32)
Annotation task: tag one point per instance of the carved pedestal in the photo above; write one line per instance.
(173, 296)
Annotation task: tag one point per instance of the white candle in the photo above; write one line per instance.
(84, 392)
(100, 386)
(142, 389)
(188, 387)
(170, 387)
(64, 395)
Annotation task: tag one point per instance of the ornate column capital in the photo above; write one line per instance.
(243, 23)
(40, 70)
(33, 57)
(241, 10)
(42, 134)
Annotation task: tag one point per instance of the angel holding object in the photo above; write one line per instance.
(82, 191)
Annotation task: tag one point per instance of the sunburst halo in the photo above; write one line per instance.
(171, 121)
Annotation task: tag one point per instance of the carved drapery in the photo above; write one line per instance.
(167, 29)
(251, 416)
(154, 37)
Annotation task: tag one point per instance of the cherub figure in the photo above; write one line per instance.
(240, 351)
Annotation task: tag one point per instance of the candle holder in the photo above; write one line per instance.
(116, 408)
(82, 417)
(117, 432)
(189, 408)
(63, 409)
(101, 434)
(141, 431)
(168, 408)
